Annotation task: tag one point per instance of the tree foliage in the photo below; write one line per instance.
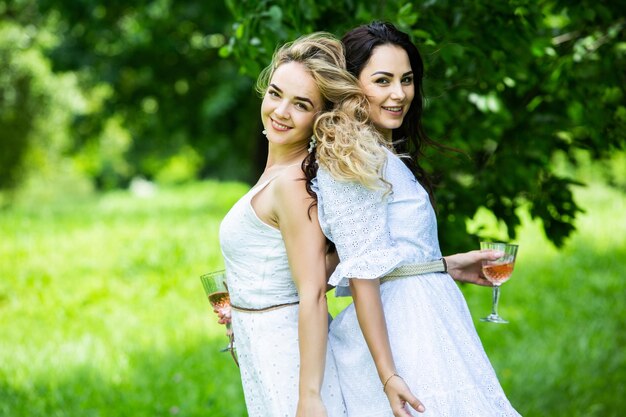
(167, 91)
(37, 106)
(511, 83)
(162, 100)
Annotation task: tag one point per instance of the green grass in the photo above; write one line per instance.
(102, 312)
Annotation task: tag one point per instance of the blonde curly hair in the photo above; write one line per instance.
(348, 146)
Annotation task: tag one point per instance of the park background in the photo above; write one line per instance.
(128, 129)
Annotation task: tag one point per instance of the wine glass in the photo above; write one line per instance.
(216, 289)
(498, 271)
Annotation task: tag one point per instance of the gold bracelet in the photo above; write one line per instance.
(385, 384)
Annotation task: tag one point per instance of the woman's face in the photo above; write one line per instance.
(387, 80)
(290, 105)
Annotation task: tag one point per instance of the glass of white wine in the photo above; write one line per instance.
(498, 271)
(216, 289)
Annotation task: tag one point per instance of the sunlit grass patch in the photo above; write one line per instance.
(103, 313)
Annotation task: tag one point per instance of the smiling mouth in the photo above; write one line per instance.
(393, 109)
(279, 126)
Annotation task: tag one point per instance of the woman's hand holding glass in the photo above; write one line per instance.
(215, 287)
(468, 266)
(498, 271)
(223, 316)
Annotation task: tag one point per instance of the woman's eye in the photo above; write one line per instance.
(382, 81)
(272, 93)
(407, 80)
(301, 106)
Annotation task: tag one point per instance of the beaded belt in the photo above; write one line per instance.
(264, 309)
(416, 269)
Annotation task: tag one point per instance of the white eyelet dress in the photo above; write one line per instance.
(258, 276)
(434, 343)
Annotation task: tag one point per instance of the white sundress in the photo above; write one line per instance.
(258, 276)
(434, 343)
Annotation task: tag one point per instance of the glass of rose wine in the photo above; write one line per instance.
(215, 287)
(498, 271)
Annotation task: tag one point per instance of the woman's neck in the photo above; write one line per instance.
(281, 157)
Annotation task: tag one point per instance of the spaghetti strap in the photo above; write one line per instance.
(258, 188)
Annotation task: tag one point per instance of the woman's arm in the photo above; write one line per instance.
(371, 317)
(467, 266)
(306, 249)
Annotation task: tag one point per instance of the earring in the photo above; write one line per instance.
(312, 143)
(264, 131)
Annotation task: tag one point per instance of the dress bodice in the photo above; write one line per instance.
(255, 257)
(377, 231)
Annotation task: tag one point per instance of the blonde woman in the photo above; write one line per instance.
(272, 244)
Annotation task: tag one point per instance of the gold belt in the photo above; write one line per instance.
(416, 269)
(264, 309)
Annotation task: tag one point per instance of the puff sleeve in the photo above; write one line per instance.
(355, 218)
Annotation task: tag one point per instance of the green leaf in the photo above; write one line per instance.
(406, 17)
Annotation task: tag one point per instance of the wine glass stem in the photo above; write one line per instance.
(496, 297)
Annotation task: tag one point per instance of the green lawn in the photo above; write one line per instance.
(102, 312)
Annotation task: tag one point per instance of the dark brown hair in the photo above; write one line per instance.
(410, 138)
